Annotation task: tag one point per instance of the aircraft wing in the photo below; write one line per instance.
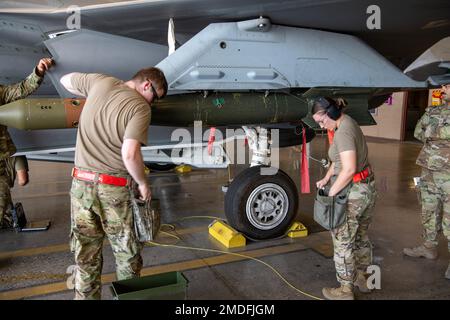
(407, 29)
(433, 65)
(96, 52)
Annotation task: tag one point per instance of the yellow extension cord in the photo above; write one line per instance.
(172, 228)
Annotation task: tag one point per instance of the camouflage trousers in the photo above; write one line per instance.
(98, 210)
(435, 196)
(352, 247)
(8, 168)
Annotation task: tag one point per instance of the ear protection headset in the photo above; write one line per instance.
(333, 112)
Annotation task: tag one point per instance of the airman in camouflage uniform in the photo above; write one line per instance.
(113, 126)
(8, 168)
(433, 129)
(350, 175)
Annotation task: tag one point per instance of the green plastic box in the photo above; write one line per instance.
(163, 286)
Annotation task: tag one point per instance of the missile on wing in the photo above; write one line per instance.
(214, 109)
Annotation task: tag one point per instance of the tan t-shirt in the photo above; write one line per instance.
(346, 138)
(112, 112)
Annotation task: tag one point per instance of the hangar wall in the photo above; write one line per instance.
(390, 118)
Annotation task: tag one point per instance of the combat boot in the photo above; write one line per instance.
(447, 273)
(344, 292)
(421, 251)
(361, 283)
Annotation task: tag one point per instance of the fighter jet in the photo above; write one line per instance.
(249, 63)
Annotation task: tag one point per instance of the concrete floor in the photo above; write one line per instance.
(33, 265)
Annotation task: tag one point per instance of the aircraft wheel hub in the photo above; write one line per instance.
(267, 206)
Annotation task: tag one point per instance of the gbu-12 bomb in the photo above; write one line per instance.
(215, 109)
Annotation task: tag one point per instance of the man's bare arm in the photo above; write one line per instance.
(132, 158)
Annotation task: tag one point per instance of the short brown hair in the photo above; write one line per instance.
(155, 75)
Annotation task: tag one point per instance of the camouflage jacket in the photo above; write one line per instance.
(433, 129)
(9, 94)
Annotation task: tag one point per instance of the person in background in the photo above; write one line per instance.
(433, 129)
(10, 165)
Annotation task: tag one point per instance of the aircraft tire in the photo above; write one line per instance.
(251, 194)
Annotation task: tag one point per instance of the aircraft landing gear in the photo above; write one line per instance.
(262, 206)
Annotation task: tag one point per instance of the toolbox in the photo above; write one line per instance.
(163, 286)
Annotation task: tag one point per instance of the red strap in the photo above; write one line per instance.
(212, 138)
(116, 181)
(361, 175)
(305, 188)
(330, 136)
(102, 178)
(83, 175)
